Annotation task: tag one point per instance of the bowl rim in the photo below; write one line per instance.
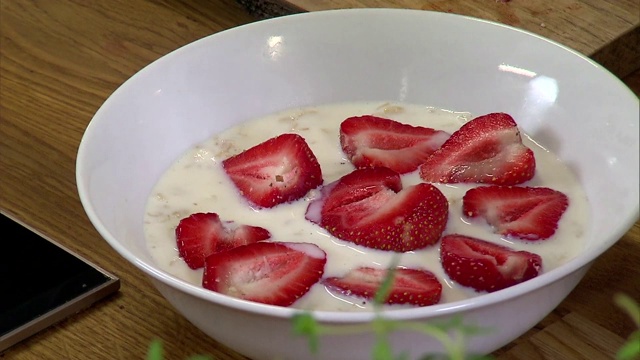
(579, 262)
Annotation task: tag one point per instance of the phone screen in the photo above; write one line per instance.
(42, 282)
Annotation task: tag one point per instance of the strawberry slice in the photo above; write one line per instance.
(530, 213)
(485, 266)
(361, 184)
(371, 141)
(410, 286)
(487, 149)
(274, 273)
(202, 234)
(279, 170)
(350, 188)
(368, 207)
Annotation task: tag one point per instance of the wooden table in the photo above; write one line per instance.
(61, 59)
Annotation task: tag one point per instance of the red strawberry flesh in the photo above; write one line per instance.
(371, 141)
(487, 149)
(352, 187)
(271, 273)
(279, 170)
(529, 213)
(202, 234)
(383, 217)
(361, 184)
(410, 286)
(486, 266)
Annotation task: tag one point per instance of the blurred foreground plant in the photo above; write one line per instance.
(631, 348)
(156, 353)
(453, 335)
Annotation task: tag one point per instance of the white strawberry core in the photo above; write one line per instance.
(308, 249)
(512, 269)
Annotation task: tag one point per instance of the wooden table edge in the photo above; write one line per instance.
(620, 56)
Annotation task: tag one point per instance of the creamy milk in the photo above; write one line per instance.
(197, 183)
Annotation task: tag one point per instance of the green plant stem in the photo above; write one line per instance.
(626, 303)
(630, 350)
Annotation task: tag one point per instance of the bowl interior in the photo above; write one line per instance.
(567, 103)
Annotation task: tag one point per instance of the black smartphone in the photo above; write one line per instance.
(42, 283)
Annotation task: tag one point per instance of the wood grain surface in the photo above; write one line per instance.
(60, 60)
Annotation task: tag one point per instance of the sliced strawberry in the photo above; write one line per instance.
(272, 273)
(371, 141)
(487, 149)
(530, 213)
(352, 187)
(361, 184)
(203, 234)
(485, 266)
(279, 170)
(410, 286)
(369, 207)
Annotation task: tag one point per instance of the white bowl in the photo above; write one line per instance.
(565, 101)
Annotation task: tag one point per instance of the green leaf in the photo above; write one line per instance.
(626, 303)
(305, 324)
(385, 288)
(480, 357)
(382, 350)
(155, 350)
(631, 349)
